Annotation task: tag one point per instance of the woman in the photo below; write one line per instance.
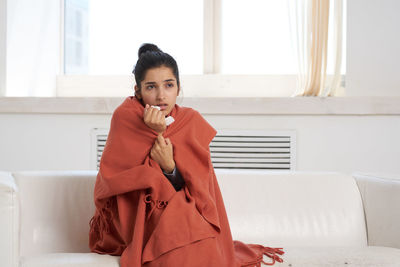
(157, 199)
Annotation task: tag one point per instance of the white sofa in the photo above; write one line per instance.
(319, 218)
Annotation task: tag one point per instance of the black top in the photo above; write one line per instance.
(175, 178)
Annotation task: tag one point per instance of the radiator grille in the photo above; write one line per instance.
(271, 150)
(99, 138)
(234, 149)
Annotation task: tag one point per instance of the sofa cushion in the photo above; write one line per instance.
(71, 260)
(340, 256)
(293, 257)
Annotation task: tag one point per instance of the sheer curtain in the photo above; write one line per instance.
(309, 22)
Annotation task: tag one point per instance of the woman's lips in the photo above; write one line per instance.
(163, 107)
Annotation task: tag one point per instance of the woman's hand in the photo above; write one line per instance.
(154, 118)
(162, 152)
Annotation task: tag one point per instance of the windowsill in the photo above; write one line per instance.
(368, 105)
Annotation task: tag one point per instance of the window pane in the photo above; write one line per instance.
(117, 29)
(76, 37)
(256, 38)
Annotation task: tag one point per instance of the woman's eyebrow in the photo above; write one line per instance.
(169, 80)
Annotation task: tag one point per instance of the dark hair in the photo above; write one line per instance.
(150, 56)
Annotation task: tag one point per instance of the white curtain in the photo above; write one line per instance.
(309, 22)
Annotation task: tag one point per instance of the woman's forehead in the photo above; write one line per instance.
(159, 74)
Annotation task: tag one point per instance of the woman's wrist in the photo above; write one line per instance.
(170, 168)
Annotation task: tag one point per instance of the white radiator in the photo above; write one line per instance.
(234, 149)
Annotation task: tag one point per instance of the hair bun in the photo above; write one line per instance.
(148, 47)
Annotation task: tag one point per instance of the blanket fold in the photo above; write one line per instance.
(141, 217)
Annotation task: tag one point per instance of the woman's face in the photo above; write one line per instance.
(159, 88)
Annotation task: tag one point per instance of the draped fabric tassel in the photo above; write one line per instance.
(102, 220)
(270, 252)
(154, 203)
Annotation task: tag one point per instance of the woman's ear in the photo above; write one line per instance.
(137, 92)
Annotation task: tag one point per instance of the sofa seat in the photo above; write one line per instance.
(341, 256)
(70, 260)
(294, 257)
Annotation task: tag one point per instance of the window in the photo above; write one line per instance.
(250, 43)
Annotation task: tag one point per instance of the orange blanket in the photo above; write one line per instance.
(141, 217)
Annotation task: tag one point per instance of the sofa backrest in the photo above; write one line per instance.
(293, 208)
(274, 209)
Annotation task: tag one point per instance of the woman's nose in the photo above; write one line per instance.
(161, 93)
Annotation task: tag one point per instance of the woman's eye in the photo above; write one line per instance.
(170, 85)
(150, 87)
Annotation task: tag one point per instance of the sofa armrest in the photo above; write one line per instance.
(381, 198)
(9, 221)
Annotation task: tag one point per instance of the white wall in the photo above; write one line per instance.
(344, 143)
(373, 48)
(47, 141)
(3, 46)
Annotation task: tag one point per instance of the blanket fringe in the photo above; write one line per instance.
(270, 252)
(155, 203)
(102, 220)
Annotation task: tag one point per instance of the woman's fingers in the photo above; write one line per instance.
(146, 109)
(154, 119)
(162, 151)
(151, 115)
(156, 145)
(160, 116)
(160, 140)
(147, 113)
(149, 110)
(155, 115)
(168, 141)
